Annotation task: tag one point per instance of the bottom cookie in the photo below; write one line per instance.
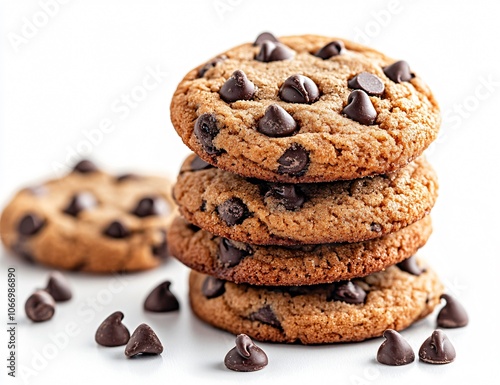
(345, 311)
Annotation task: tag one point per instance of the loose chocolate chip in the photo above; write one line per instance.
(299, 89)
(213, 287)
(347, 292)
(85, 167)
(161, 299)
(80, 202)
(410, 266)
(399, 72)
(161, 250)
(376, 227)
(395, 350)
(126, 177)
(276, 122)
(287, 194)
(230, 255)
(237, 87)
(294, 161)
(40, 306)
(30, 224)
(149, 206)
(360, 108)
(331, 49)
(266, 315)
(265, 36)
(437, 349)
(117, 229)
(211, 64)
(273, 51)
(112, 332)
(143, 341)
(58, 287)
(246, 356)
(233, 211)
(205, 129)
(453, 314)
(198, 164)
(367, 82)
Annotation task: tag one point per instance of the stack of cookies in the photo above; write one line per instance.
(308, 195)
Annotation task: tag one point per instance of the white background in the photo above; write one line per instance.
(68, 75)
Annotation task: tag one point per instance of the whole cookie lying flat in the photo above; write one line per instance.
(300, 265)
(256, 212)
(91, 221)
(348, 311)
(305, 109)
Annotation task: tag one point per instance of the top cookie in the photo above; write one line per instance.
(305, 109)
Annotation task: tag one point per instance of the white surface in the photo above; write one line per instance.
(70, 76)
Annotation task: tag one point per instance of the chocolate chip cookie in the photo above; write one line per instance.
(345, 311)
(90, 220)
(299, 265)
(256, 212)
(305, 109)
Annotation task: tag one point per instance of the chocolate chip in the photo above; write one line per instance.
(437, 349)
(299, 89)
(58, 287)
(205, 129)
(273, 51)
(331, 49)
(237, 87)
(410, 266)
(395, 350)
(288, 195)
(265, 36)
(203, 206)
(80, 202)
(294, 161)
(149, 206)
(453, 314)
(211, 64)
(161, 299)
(229, 255)
(367, 82)
(347, 292)
(126, 177)
(193, 228)
(85, 167)
(360, 108)
(276, 122)
(198, 164)
(399, 72)
(40, 306)
(213, 287)
(161, 250)
(246, 356)
(376, 227)
(30, 224)
(266, 315)
(233, 211)
(112, 332)
(117, 229)
(143, 341)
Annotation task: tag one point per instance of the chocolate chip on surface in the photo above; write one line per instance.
(395, 350)
(230, 255)
(85, 167)
(437, 349)
(161, 299)
(399, 72)
(40, 306)
(348, 292)
(211, 64)
(149, 206)
(205, 129)
(288, 195)
(143, 341)
(274, 51)
(276, 122)
(30, 224)
(299, 89)
(294, 161)
(453, 314)
(367, 82)
(213, 287)
(246, 356)
(233, 211)
(410, 266)
(117, 230)
(58, 287)
(80, 202)
(332, 49)
(112, 332)
(360, 108)
(266, 315)
(237, 87)
(198, 164)
(265, 36)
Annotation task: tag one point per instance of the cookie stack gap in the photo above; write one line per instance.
(308, 195)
